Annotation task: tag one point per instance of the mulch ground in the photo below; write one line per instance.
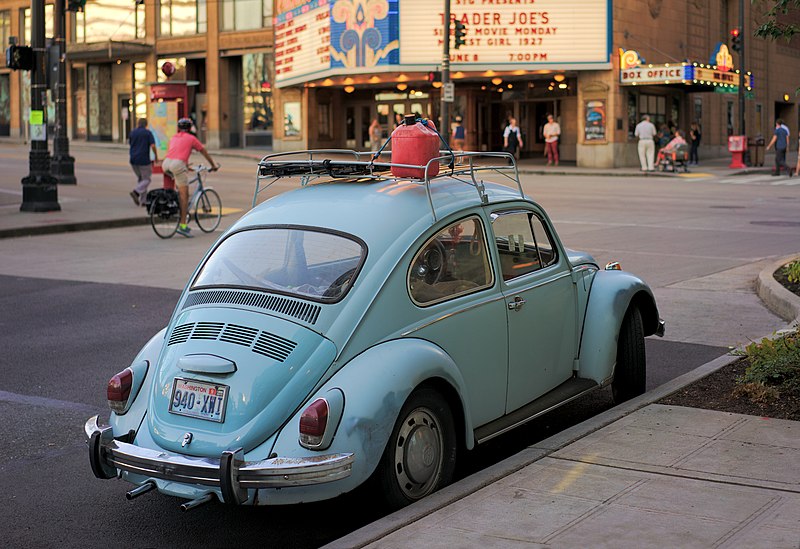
(715, 392)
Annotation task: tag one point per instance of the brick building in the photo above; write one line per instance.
(331, 66)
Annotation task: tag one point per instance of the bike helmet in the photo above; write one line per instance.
(185, 124)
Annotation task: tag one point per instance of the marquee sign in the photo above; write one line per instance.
(685, 73)
(320, 38)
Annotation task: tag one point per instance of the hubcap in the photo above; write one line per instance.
(418, 454)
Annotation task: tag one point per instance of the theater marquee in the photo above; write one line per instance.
(320, 38)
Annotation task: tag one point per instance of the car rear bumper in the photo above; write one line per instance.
(230, 473)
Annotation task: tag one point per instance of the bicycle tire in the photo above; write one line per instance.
(163, 225)
(208, 210)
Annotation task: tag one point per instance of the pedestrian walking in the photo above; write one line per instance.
(141, 143)
(459, 135)
(797, 168)
(695, 135)
(646, 132)
(512, 137)
(176, 165)
(780, 139)
(375, 134)
(552, 133)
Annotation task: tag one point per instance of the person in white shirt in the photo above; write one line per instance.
(646, 131)
(552, 132)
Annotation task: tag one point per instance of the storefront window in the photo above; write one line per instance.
(245, 14)
(104, 20)
(729, 117)
(5, 105)
(324, 123)
(182, 17)
(698, 110)
(633, 119)
(655, 106)
(140, 90)
(257, 70)
(5, 30)
(26, 23)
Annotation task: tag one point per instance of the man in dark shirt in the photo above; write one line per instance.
(142, 142)
(781, 141)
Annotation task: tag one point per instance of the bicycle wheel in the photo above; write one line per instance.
(208, 211)
(163, 222)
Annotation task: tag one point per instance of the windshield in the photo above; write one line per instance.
(302, 262)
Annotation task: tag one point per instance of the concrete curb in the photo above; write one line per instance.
(463, 488)
(778, 299)
(37, 230)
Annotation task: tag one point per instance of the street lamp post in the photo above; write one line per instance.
(62, 164)
(39, 190)
(742, 75)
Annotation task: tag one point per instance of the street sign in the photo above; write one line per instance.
(38, 132)
(449, 92)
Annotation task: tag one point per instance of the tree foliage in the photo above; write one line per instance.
(777, 25)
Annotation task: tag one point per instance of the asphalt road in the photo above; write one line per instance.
(63, 340)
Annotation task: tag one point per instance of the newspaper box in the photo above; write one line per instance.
(737, 145)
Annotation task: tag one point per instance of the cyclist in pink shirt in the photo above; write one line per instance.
(176, 165)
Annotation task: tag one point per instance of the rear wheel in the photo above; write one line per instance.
(630, 374)
(208, 211)
(420, 456)
(164, 222)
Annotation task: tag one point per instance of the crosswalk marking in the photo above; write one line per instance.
(756, 179)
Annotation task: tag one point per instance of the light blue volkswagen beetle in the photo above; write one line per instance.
(368, 328)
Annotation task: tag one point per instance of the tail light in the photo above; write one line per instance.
(313, 423)
(119, 390)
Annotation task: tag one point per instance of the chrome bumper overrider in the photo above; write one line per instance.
(661, 328)
(230, 473)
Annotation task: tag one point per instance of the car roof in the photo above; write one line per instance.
(377, 211)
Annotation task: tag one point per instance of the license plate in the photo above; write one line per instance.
(199, 399)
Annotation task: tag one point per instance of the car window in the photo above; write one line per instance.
(523, 243)
(302, 262)
(453, 263)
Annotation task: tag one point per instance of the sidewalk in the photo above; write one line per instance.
(94, 204)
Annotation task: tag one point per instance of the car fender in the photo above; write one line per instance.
(376, 384)
(132, 418)
(611, 294)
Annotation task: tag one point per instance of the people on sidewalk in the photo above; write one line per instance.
(695, 135)
(176, 165)
(552, 133)
(646, 132)
(141, 143)
(375, 135)
(668, 154)
(512, 138)
(780, 139)
(459, 135)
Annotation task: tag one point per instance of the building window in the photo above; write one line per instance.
(698, 110)
(324, 122)
(257, 69)
(25, 15)
(633, 119)
(729, 117)
(245, 14)
(759, 119)
(654, 106)
(104, 20)
(182, 17)
(5, 30)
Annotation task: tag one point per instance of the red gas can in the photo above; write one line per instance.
(414, 143)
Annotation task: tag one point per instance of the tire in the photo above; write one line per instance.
(208, 210)
(420, 456)
(630, 373)
(164, 225)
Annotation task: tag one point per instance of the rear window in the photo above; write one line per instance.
(301, 262)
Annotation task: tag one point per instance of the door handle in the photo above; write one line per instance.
(516, 304)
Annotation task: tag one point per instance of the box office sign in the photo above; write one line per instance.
(653, 74)
(319, 38)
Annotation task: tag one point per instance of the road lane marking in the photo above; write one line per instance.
(45, 402)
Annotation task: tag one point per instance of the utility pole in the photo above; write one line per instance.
(445, 108)
(63, 165)
(39, 190)
(742, 75)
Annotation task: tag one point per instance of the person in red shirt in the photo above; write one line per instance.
(176, 165)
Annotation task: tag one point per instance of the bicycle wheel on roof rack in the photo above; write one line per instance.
(208, 211)
(163, 219)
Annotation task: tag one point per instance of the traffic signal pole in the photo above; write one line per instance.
(445, 108)
(39, 190)
(742, 75)
(62, 164)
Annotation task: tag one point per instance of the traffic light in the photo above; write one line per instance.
(459, 34)
(19, 58)
(434, 76)
(76, 5)
(736, 40)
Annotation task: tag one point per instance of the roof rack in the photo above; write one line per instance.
(331, 164)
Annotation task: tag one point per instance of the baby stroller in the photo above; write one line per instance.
(675, 159)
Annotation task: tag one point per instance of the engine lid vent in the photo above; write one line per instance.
(307, 312)
(259, 341)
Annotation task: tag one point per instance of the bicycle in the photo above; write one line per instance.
(204, 205)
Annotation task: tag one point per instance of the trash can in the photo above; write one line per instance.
(756, 147)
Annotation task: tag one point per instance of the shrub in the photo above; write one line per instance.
(774, 363)
(792, 272)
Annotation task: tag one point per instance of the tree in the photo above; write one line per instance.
(777, 24)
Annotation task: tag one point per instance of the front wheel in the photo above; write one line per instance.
(163, 220)
(420, 456)
(630, 374)
(208, 211)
